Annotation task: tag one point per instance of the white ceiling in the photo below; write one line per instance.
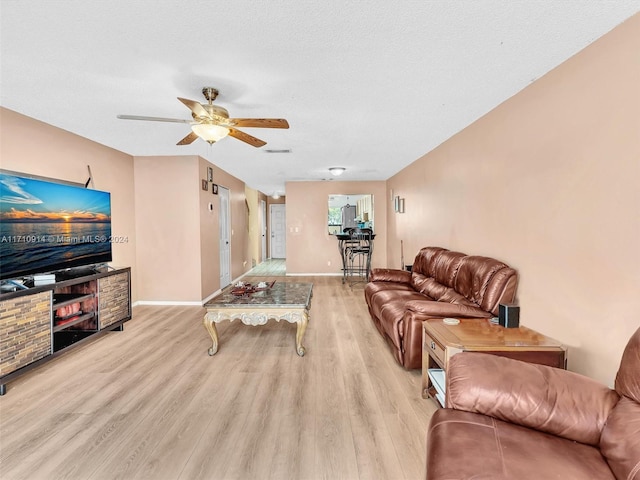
(370, 86)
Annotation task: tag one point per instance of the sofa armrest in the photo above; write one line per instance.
(389, 275)
(434, 309)
(544, 398)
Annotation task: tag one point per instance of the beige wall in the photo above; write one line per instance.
(178, 235)
(548, 182)
(240, 252)
(253, 200)
(168, 228)
(210, 231)
(254, 197)
(310, 248)
(33, 147)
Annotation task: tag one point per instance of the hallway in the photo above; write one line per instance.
(273, 267)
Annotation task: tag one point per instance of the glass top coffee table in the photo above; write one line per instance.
(282, 301)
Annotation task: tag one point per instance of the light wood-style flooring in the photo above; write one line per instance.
(270, 268)
(149, 403)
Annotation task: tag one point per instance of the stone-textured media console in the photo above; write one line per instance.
(41, 322)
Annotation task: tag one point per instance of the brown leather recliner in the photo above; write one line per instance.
(506, 419)
(441, 284)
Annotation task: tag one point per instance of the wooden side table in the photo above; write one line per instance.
(441, 341)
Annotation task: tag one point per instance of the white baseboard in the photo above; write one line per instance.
(166, 302)
(217, 292)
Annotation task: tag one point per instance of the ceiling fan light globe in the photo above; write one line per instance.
(209, 132)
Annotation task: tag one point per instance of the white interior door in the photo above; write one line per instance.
(263, 230)
(278, 228)
(225, 237)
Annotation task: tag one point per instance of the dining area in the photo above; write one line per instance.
(356, 248)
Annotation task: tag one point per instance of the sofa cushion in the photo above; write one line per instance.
(464, 445)
(389, 306)
(451, 296)
(424, 257)
(389, 275)
(423, 309)
(371, 288)
(620, 441)
(438, 292)
(444, 267)
(427, 285)
(474, 276)
(627, 378)
(540, 397)
(501, 289)
(418, 281)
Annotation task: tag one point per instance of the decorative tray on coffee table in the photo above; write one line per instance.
(242, 288)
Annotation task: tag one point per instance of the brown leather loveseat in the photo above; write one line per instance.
(506, 419)
(441, 284)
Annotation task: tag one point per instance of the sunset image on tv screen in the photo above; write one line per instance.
(46, 226)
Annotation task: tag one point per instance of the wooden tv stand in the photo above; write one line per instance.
(441, 341)
(42, 322)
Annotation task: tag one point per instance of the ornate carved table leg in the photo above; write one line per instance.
(210, 325)
(301, 327)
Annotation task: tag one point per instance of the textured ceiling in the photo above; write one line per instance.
(370, 86)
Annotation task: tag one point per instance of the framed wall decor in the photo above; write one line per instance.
(210, 174)
(214, 188)
(205, 185)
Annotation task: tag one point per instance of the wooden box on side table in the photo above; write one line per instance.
(440, 341)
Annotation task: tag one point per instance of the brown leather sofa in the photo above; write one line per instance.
(506, 419)
(441, 284)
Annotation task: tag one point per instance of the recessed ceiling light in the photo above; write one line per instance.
(274, 150)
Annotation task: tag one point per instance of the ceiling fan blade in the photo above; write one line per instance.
(195, 107)
(192, 137)
(153, 119)
(245, 137)
(260, 122)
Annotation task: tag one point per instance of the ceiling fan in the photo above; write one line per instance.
(212, 123)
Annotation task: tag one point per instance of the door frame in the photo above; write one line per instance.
(263, 230)
(271, 229)
(225, 244)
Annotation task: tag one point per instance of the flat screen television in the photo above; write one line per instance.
(48, 226)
